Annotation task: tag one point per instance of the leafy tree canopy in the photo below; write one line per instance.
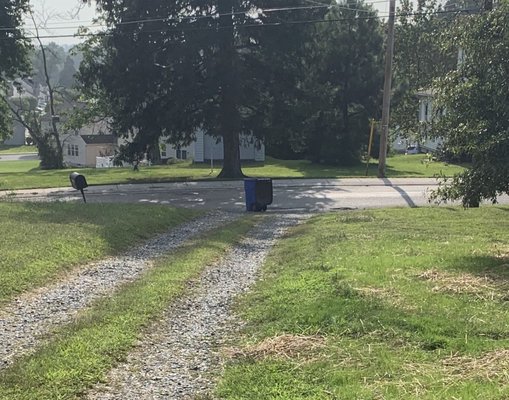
(190, 66)
(475, 100)
(418, 59)
(13, 52)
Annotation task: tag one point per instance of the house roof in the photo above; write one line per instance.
(98, 139)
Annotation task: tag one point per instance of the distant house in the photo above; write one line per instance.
(27, 90)
(429, 143)
(426, 142)
(18, 137)
(206, 148)
(82, 150)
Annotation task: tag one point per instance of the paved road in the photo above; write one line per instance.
(304, 195)
(19, 157)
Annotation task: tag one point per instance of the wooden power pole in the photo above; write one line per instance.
(386, 104)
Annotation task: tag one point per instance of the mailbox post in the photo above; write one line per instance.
(78, 182)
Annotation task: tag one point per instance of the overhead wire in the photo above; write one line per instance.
(252, 25)
(317, 5)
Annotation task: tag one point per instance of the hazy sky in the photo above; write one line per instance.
(58, 15)
(61, 18)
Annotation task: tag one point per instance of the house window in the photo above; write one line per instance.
(162, 147)
(181, 154)
(72, 150)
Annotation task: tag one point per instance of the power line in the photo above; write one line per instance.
(212, 16)
(318, 5)
(254, 25)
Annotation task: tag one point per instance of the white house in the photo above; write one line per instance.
(424, 116)
(425, 98)
(18, 137)
(82, 150)
(206, 148)
(22, 89)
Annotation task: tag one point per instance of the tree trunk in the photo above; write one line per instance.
(229, 92)
(154, 152)
(231, 162)
(50, 157)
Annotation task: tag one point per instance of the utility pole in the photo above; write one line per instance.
(387, 91)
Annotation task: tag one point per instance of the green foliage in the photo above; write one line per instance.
(418, 59)
(55, 57)
(13, 46)
(298, 86)
(346, 77)
(13, 54)
(476, 121)
(45, 239)
(66, 77)
(396, 304)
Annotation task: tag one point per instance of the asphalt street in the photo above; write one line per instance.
(289, 194)
(19, 157)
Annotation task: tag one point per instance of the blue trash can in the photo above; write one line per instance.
(258, 193)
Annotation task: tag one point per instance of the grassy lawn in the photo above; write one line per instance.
(79, 355)
(40, 241)
(4, 149)
(26, 175)
(384, 304)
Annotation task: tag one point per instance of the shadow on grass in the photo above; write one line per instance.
(495, 266)
(119, 226)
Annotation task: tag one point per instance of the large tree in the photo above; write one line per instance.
(13, 54)
(419, 58)
(344, 80)
(186, 66)
(475, 100)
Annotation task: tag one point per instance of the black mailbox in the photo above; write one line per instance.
(78, 182)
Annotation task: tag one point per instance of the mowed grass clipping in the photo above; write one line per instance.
(79, 355)
(41, 240)
(384, 304)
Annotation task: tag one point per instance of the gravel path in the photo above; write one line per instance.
(176, 358)
(28, 318)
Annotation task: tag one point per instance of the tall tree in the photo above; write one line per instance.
(418, 59)
(186, 66)
(13, 53)
(344, 79)
(52, 62)
(41, 124)
(475, 100)
(66, 77)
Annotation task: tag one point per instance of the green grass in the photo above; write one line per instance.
(27, 175)
(4, 149)
(384, 304)
(79, 355)
(40, 241)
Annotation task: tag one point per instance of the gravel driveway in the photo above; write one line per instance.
(31, 316)
(178, 359)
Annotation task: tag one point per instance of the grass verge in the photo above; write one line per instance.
(80, 354)
(27, 175)
(4, 149)
(39, 241)
(384, 304)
